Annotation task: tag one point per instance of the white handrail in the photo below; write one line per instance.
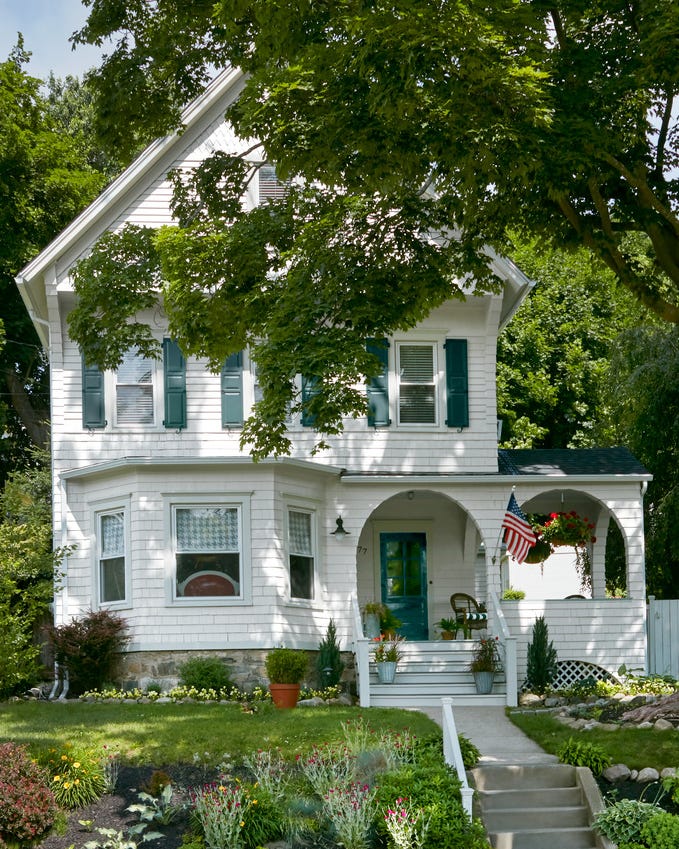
(452, 753)
(509, 644)
(361, 653)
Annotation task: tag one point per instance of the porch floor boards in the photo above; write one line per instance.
(431, 670)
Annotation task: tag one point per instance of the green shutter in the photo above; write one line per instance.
(308, 391)
(378, 386)
(457, 383)
(94, 408)
(232, 391)
(174, 368)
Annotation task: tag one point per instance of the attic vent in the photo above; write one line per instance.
(269, 184)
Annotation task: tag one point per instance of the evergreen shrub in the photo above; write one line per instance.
(205, 673)
(541, 660)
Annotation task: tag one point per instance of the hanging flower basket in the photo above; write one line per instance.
(565, 529)
(539, 552)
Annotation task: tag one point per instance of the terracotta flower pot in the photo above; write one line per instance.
(284, 695)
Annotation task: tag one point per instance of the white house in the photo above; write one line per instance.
(200, 549)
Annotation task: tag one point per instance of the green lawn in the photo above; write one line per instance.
(159, 734)
(636, 747)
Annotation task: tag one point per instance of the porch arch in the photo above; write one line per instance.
(601, 513)
(455, 556)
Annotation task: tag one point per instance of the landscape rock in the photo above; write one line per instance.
(616, 773)
(648, 774)
(662, 725)
(633, 775)
(668, 772)
(554, 701)
(529, 700)
(666, 707)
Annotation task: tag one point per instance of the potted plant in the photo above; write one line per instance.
(379, 619)
(285, 668)
(485, 663)
(539, 552)
(373, 612)
(448, 627)
(387, 653)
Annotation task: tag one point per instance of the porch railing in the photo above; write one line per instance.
(453, 754)
(508, 644)
(361, 653)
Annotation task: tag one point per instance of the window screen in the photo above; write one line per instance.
(417, 389)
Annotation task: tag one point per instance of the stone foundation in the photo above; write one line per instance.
(246, 668)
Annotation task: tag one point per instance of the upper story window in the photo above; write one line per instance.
(131, 395)
(111, 557)
(270, 187)
(207, 548)
(301, 554)
(417, 384)
(134, 390)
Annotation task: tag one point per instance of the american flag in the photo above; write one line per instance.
(519, 535)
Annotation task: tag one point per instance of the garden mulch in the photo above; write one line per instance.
(110, 811)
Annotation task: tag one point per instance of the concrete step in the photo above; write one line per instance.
(546, 838)
(523, 776)
(393, 697)
(534, 806)
(549, 797)
(504, 819)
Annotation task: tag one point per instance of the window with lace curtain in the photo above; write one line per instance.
(111, 557)
(301, 553)
(207, 543)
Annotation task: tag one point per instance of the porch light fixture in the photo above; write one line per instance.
(340, 531)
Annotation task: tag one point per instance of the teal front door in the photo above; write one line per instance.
(403, 558)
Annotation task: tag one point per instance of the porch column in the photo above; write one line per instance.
(598, 556)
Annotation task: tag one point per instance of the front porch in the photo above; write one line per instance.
(591, 636)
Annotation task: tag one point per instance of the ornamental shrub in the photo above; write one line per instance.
(436, 790)
(27, 805)
(541, 658)
(661, 831)
(205, 673)
(90, 648)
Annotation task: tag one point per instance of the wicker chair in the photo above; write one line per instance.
(468, 613)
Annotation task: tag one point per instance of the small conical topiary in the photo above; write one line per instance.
(329, 665)
(541, 669)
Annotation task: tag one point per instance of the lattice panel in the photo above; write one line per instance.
(570, 672)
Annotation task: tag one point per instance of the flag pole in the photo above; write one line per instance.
(499, 536)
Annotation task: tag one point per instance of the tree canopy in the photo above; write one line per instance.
(393, 121)
(45, 181)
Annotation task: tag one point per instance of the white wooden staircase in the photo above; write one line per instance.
(430, 671)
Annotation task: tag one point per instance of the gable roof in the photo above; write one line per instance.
(100, 215)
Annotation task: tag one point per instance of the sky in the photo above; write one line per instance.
(46, 26)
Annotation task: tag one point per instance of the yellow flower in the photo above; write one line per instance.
(242, 823)
(67, 784)
(76, 764)
(77, 781)
(57, 778)
(64, 757)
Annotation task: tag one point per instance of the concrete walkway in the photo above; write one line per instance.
(498, 739)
